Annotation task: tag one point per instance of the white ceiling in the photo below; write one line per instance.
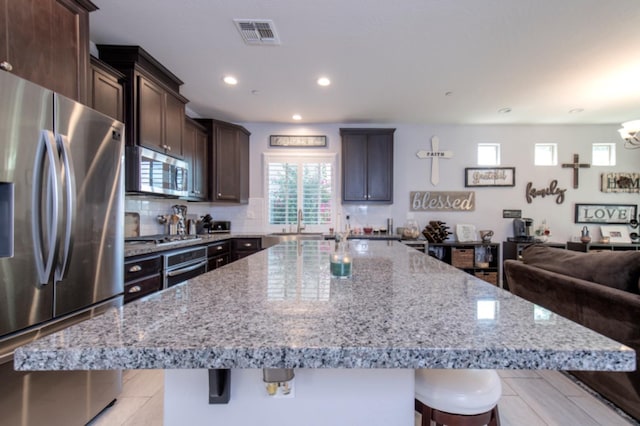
(393, 61)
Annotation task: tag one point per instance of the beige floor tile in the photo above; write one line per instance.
(150, 414)
(549, 404)
(144, 383)
(506, 389)
(517, 373)
(515, 412)
(121, 411)
(599, 411)
(563, 383)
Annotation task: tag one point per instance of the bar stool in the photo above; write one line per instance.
(458, 397)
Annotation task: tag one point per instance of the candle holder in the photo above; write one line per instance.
(340, 262)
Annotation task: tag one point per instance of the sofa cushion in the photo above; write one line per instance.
(616, 269)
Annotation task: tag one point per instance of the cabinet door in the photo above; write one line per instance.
(227, 172)
(354, 167)
(150, 114)
(173, 125)
(380, 168)
(106, 94)
(195, 151)
(47, 42)
(200, 177)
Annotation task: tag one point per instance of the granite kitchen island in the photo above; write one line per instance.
(353, 343)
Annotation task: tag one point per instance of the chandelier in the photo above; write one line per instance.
(630, 132)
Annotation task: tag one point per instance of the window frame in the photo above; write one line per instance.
(300, 158)
(612, 153)
(554, 159)
(498, 153)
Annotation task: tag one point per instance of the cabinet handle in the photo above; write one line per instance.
(135, 268)
(134, 289)
(219, 248)
(220, 260)
(219, 194)
(4, 65)
(248, 244)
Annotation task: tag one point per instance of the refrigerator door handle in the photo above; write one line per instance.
(68, 178)
(49, 186)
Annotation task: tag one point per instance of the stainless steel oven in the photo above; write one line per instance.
(180, 265)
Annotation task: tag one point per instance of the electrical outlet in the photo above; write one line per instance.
(285, 389)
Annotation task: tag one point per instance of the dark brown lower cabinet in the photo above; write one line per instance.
(142, 276)
(243, 247)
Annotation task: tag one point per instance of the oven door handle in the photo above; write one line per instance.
(187, 269)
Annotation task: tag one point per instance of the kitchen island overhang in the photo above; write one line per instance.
(280, 308)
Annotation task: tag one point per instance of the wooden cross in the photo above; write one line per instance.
(435, 155)
(576, 166)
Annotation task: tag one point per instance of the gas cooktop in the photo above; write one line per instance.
(161, 239)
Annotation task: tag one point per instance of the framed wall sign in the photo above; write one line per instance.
(605, 213)
(313, 141)
(620, 182)
(489, 176)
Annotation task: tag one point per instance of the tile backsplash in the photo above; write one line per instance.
(243, 217)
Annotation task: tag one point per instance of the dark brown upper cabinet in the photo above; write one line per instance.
(195, 149)
(47, 42)
(229, 162)
(154, 108)
(367, 165)
(107, 91)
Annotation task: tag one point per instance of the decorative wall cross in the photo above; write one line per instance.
(435, 156)
(576, 166)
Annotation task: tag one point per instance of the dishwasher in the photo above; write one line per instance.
(180, 265)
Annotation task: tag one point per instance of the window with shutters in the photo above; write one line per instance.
(300, 182)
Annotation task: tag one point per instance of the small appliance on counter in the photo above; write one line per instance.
(522, 231)
(206, 225)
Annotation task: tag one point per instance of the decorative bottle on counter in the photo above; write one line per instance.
(585, 238)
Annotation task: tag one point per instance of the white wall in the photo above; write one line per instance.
(413, 174)
(517, 145)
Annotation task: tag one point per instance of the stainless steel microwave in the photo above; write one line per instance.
(155, 173)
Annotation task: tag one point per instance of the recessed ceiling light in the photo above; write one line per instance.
(576, 111)
(504, 110)
(230, 80)
(324, 81)
(297, 117)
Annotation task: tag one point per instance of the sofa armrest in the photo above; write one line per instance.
(614, 313)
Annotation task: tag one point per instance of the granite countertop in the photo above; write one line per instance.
(280, 308)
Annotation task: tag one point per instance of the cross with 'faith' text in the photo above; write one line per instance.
(576, 166)
(435, 156)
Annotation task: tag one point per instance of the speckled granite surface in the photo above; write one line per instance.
(280, 308)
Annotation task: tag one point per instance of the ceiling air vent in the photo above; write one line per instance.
(257, 31)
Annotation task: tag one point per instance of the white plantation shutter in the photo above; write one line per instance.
(300, 183)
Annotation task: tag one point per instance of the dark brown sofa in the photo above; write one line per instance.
(599, 290)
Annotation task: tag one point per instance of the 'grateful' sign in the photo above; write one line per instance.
(442, 200)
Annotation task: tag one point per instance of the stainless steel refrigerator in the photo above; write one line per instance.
(61, 244)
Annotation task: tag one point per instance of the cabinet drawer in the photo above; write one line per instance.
(142, 287)
(218, 248)
(248, 244)
(141, 267)
(462, 257)
(490, 277)
(217, 261)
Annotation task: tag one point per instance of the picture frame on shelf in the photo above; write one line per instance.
(302, 141)
(606, 214)
(466, 233)
(489, 176)
(616, 233)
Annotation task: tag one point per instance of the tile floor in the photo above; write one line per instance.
(529, 398)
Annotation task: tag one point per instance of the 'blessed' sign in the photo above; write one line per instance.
(442, 200)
